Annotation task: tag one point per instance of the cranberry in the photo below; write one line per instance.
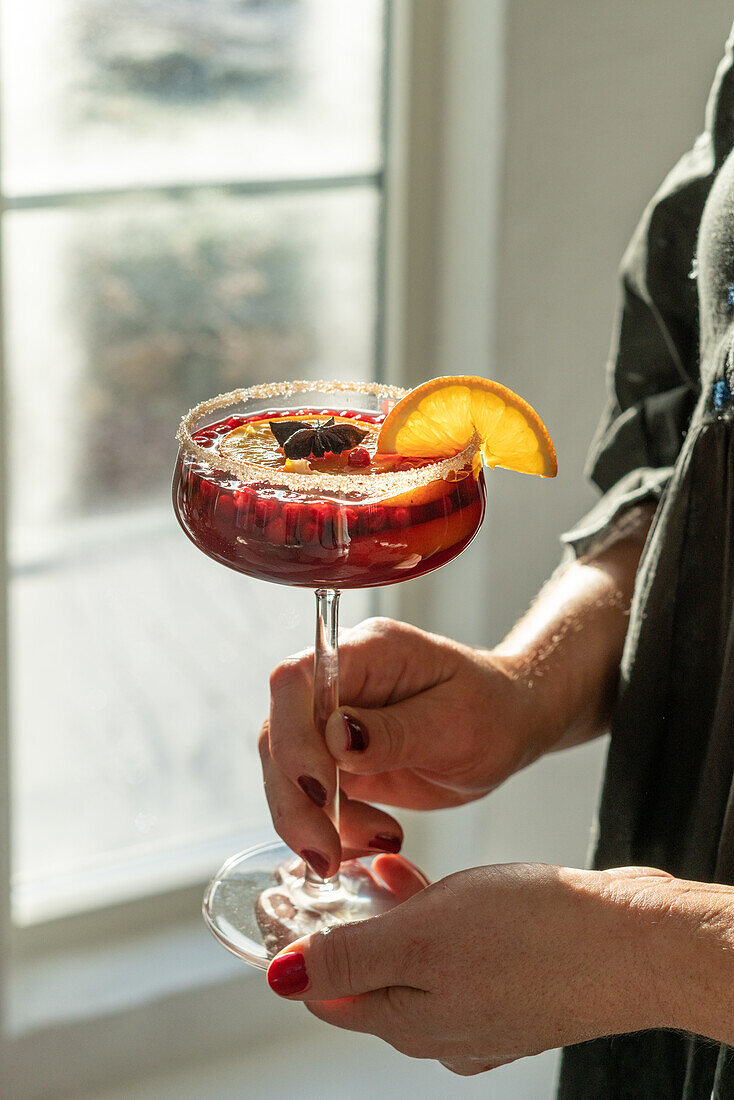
(359, 456)
(207, 490)
(224, 506)
(399, 518)
(275, 529)
(308, 530)
(351, 519)
(376, 520)
(261, 513)
(325, 517)
(244, 502)
(292, 515)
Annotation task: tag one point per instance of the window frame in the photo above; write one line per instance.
(51, 1046)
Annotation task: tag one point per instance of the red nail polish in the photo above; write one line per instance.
(315, 790)
(385, 843)
(318, 861)
(357, 736)
(287, 974)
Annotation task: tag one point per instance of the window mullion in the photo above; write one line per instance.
(181, 190)
(5, 799)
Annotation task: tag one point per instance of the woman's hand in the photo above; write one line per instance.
(426, 723)
(493, 964)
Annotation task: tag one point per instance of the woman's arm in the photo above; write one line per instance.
(566, 650)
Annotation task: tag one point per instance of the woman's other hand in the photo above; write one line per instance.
(493, 964)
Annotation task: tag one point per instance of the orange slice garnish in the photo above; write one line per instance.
(441, 417)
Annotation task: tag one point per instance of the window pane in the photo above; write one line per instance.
(139, 668)
(120, 317)
(100, 93)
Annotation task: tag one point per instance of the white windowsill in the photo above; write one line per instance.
(80, 1018)
(52, 987)
(149, 871)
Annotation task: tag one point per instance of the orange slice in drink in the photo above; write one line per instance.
(440, 418)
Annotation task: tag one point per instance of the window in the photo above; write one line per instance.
(192, 201)
(186, 208)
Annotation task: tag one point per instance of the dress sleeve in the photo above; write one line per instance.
(653, 373)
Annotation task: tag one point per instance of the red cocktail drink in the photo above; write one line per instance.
(334, 537)
(285, 482)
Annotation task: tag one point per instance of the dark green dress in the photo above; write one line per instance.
(668, 433)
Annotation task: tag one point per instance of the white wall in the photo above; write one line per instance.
(601, 100)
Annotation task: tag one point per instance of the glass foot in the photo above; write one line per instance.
(258, 902)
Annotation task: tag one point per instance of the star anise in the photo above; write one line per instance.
(302, 440)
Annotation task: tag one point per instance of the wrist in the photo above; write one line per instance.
(518, 709)
(566, 650)
(536, 703)
(665, 951)
(694, 957)
(632, 949)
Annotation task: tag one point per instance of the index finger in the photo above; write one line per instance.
(296, 746)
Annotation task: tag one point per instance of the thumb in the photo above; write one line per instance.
(365, 740)
(341, 961)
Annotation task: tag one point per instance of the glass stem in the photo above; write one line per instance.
(326, 694)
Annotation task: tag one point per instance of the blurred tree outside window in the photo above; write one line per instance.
(192, 202)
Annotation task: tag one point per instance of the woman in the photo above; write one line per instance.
(631, 968)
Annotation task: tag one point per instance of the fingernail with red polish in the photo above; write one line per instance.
(317, 860)
(385, 843)
(315, 790)
(357, 736)
(287, 974)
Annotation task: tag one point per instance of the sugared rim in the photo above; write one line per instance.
(394, 482)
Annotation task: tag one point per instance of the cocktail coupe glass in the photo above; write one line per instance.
(354, 528)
